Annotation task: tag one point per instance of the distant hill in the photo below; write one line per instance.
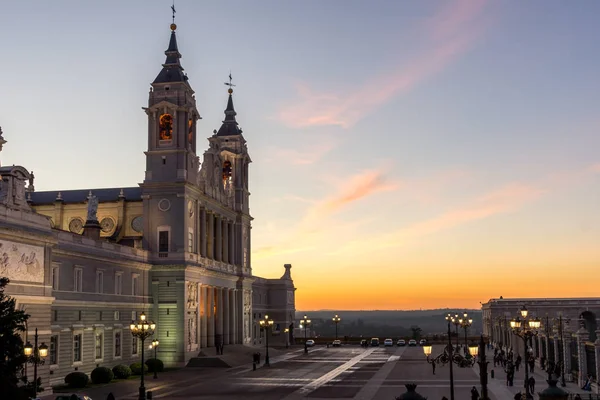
(394, 323)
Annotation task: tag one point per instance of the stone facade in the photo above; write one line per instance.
(568, 333)
(85, 263)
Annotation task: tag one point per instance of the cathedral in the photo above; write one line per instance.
(85, 263)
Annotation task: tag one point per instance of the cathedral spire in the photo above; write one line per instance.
(172, 70)
(230, 125)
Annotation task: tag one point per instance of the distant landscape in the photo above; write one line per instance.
(387, 323)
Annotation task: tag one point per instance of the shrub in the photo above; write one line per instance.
(102, 375)
(77, 380)
(121, 371)
(155, 364)
(136, 368)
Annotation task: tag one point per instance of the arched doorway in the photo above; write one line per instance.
(588, 319)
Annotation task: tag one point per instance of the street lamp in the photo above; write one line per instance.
(456, 321)
(525, 328)
(449, 356)
(305, 323)
(265, 324)
(287, 337)
(465, 323)
(35, 355)
(154, 346)
(336, 320)
(142, 328)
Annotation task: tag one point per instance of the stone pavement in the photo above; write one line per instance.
(347, 372)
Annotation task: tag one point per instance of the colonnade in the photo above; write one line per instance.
(220, 316)
(219, 237)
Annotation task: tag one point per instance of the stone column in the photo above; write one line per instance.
(203, 316)
(226, 241)
(226, 313)
(582, 337)
(231, 243)
(567, 353)
(232, 310)
(210, 245)
(203, 232)
(211, 316)
(218, 239)
(220, 314)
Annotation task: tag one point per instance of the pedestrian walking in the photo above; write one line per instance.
(518, 362)
(531, 384)
(474, 394)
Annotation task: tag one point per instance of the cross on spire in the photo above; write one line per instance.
(173, 9)
(230, 84)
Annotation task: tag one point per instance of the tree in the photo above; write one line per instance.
(416, 332)
(12, 358)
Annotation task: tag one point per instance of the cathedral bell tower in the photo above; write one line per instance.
(172, 116)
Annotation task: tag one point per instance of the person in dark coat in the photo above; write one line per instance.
(531, 384)
(518, 362)
(474, 394)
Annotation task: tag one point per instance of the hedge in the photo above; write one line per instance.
(102, 375)
(77, 380)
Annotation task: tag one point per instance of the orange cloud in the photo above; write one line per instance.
(451, 31)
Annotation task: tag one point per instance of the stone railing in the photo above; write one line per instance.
(102, 246)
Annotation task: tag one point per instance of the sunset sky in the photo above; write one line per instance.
(406, 154)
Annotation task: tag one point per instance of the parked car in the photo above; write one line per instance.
(388, 342)
(412, 342)
(363, 343)
(401, 342)
(375, 342)
(422, 342)
(310, 343)
(70, 396)
(337, 343)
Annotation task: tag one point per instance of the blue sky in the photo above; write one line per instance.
(387, 136)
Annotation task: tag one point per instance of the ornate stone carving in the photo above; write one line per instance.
(76, 225)
(21, 262)
(107, 225)
(192, 301)
(137, 224)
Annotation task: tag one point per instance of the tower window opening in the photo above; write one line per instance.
(226, 171)
(166, 127)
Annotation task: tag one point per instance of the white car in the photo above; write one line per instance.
(412, 342)
(401, 342)
(337, 343)
(310, 343)
(388, 342)
(422, 342)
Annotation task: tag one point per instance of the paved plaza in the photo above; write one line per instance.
(348, 372)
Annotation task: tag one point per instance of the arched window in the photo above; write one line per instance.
(226, 171)
(165, 126)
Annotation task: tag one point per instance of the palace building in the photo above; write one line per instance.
(85, 263)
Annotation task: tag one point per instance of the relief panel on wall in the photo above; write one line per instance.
(21, 262)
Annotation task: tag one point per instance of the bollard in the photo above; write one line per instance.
(149, 395)
(492, 374)
(253, 366)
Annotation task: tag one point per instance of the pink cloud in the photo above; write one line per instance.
(451, 32)
(302, 155)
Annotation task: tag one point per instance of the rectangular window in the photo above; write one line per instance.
(77, 347)
(78, 280)
(117, 316)
(117, 343)
(55, 278)
(134, 345)
(134, 284)
(163, 241)
(99, 345)
(53, 351)
(119, 283)
(191, 242)
(99, 281)
(134, 315)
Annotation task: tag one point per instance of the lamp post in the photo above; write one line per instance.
(142, 329)
(448, 356)
(287, 337)
(336, 320)
(479, 352)
(35, 355)
(561, 327)
(266, 324)
(456, 321)
(525, 328)
(305, 323)
(465, 323)
(154, 346)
